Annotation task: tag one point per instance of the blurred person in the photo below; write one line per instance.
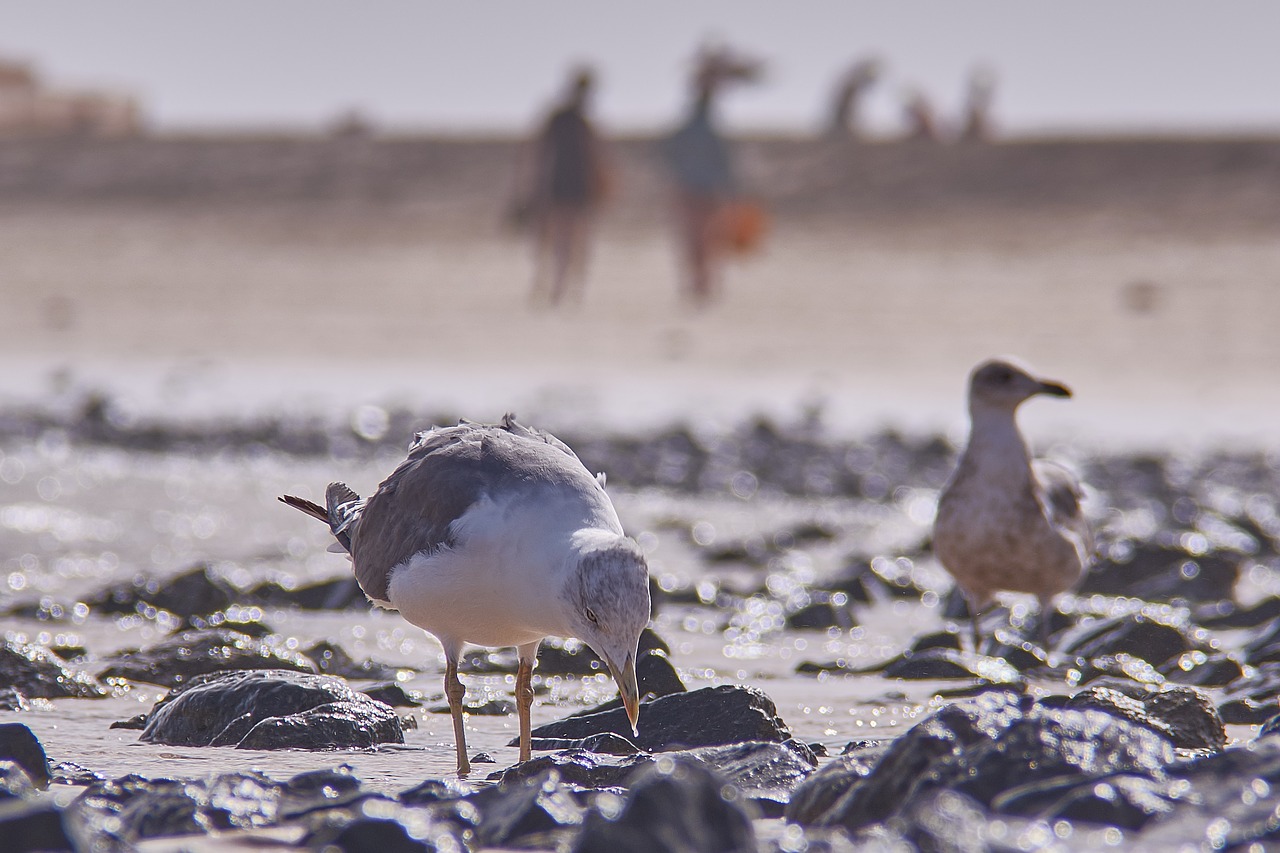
(917, 112)
(977, 111)
(706, 190)
(850, 90)
(569, 182)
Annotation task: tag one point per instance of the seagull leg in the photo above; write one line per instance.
(524, 696)
(454, 690)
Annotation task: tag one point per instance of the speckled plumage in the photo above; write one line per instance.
(1004, 521)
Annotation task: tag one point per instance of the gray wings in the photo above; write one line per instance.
(448, 469)
(1060, 494)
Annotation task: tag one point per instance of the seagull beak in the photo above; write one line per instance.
(1055, 389)
(628, 689)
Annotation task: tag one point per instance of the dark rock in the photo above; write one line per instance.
(124, 811)
(137, 722)
(483, 758)
(1185, 716)
(605, 743)
(818, 794)
(436, 790)
(37, 825)
(70, 773)
(37, 673)
(15, 782)
(1220, 615)
(520, 807)
(377, 824)
(764, 773)
(672, 807)
(331, 659)
(1119, 667)
(1149, 635)
(1160, 573)
(271, 709)
(712, 716)
(489, 708)
(574, 657)
(11, 699)
(1203, 670)
(338, 594)
(821, 616)
(943, 663)
(1254, 699)
(581, 768)
(937, 640)
(655, 676)
(182, 657)
(20, 745)
(196, 592)
(243, 620)
(391, 693)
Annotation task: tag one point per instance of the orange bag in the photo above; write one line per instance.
(743, 224)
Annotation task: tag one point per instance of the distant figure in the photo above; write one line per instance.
(977, 111)
(701, 165)
(569, 183)
(844, 121)
(1006, 522)
(917, 112)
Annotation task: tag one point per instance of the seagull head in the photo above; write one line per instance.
(608, 599)
(1004, 384)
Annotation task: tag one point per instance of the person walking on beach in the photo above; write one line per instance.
(568, 185)
(701, 166)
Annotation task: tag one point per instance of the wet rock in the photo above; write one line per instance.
(820, 616)
(182, 657)
(20, 745)
(1150, 635)
(1222, 615)
(943, 663)
(1254, 699)
(38, 673)
(137, 722)
(1161, 573)
(11, 699)
(818, 794)
(271, 709)
(712, 716)
(605, 743)
(437, 790)
(15, 782)
(122, 812)
(331, 659)
(243, 620)
(391, 693)
(1198, 669)
(672, 807)
(35, 825)
(764, 773)
(70, 773)
(1185, 716)
(520, 807)
(1121, 666)
(338, 594)
(195, 592)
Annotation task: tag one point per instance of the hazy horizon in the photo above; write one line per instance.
(1091, 68)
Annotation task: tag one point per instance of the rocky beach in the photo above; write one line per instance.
(200, 325)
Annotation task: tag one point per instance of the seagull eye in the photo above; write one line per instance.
(591, 615)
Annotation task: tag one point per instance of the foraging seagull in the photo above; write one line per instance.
(496, 535)
(1006, 521)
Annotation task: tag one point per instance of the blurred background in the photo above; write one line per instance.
(238, 209)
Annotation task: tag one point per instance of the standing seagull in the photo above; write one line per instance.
(1005, 521)
(496, 535)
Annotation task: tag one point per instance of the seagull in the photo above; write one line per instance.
(1006, 521)
(496, 535)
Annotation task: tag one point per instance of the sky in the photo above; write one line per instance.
(1093, 66)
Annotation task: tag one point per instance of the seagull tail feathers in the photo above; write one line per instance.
(344, 507)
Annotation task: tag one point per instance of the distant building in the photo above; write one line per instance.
(27, 108)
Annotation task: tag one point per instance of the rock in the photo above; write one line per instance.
(520, 807)
(1222, 615)
(391, 693)
(20, 745)
(11, 699)
(943, 663)
(35, 672)
(330, 659)
(655, 676)
(1150, 635)
(70, 773)
(195, 592)
(243, 620)
(1254, 699)
(137, 722)
(604, 743)
(35, 825)
(820, 616)
(712, 716)
(1185, 716)
(125, 811)
(818, 794)
(338, 594)
(1161, 573)
(1203, 670)
(271, 709)
(672, 807)
(579, 767)
(182, 657)
(15, 782)
(764, 773)
(488, 708)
